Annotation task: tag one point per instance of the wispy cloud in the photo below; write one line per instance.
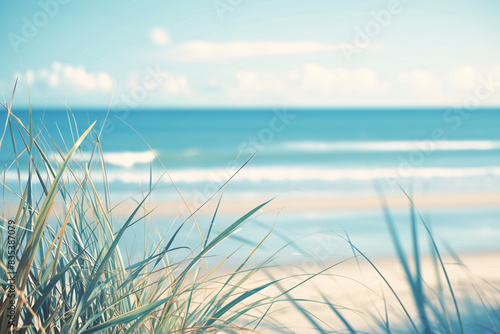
(424, 84)
(464, 78)
(168, 82)
(342, 80)
(160, 37)
(67, 74)
(311, 84)
(199, 51)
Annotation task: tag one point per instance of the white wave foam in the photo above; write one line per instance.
(301, 174)
(128, 159)
(398, 146)
(122, 159)
(290, 174)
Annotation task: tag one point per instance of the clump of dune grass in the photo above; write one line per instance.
(71, 272)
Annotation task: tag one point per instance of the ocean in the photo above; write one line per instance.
(301, 154)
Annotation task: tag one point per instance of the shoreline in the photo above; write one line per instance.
(323, 204)
(298, 204)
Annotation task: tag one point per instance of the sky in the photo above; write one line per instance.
(211, 53)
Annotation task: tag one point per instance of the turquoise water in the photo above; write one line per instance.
(341, 147)
(305, 153)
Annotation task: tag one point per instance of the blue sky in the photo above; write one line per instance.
(251, 52)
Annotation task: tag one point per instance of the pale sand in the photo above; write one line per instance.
(359, 292)
(323, 204)
(229, 206)
(296, 204)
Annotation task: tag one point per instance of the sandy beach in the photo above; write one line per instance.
(361, 295)
(229, 206)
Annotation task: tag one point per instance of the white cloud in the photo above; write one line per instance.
(312, 84)
(464, 78)
(74, 76)
(105, 81)
(251, 81)
(424, 84)
(208, 51)
(293, 75)
(56, 66)
(160, 37)
(253, 85)
(176, 84)
(30, 77)
(340, 79)
(54, 79)
(315, 84)
(167, 82)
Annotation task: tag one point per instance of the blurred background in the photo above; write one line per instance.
(335, 99)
